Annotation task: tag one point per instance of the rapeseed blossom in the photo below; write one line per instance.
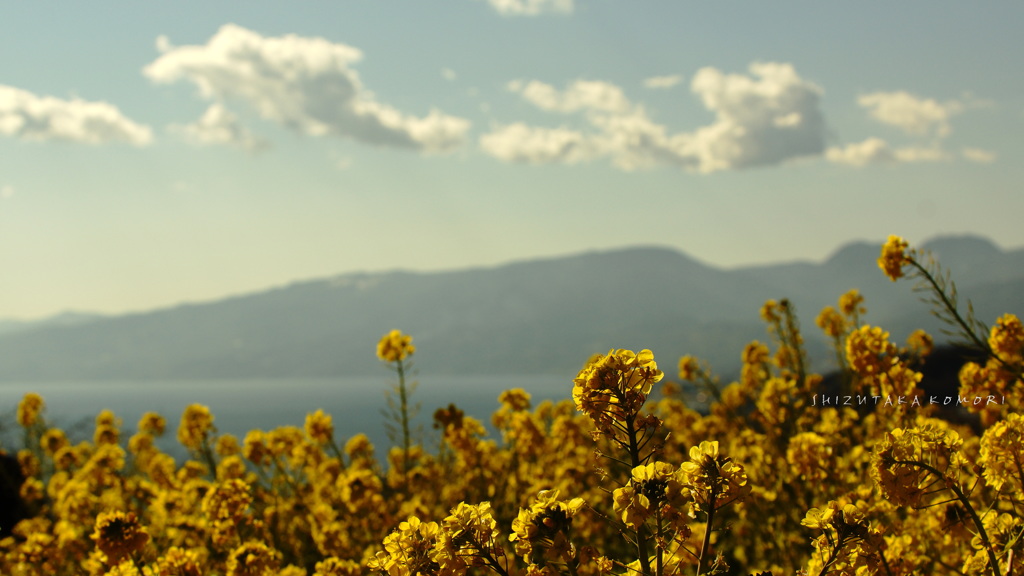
(395, 347)
(119, 535)
(196, 425)
(29, 408)
(612, 388)
(625, 487)
(894, 257)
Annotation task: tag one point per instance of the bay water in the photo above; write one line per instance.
(355, 403)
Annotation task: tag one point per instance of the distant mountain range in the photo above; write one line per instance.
(543, 316)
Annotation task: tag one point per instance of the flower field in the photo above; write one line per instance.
(622, 477)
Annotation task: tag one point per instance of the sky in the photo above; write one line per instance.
(155, 154)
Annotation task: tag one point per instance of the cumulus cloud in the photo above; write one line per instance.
(925, 118)
(31, 117)
(978, 155)
(663, 81)
(306, 84)
(218, 126)
(580, 95)
(878, 151)
(914, 115)
(766, 118)
(870, 151)
(531, 7)
(534, 145)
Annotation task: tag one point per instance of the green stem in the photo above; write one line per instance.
(955, 488)
(641, 531)
(832, 557)
(707, 531)
(950, 307)
(403, 395)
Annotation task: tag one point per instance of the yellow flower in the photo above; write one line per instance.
(1002, 454)
(714, 480)
(253, 559)
(333, 566)
(196, 425)
(614, 386)
(255, 447)
(395, 347)
(869, 351)
(819, 518)
(544, 524)
(650, 487)
(53, 440)
(152, 423)
(467, 533)
(830, 322)
(319, 427)
(106, 434)
(227, 445)
(179, 562)
(411, 550)
(227, 500)
(769, 312)
(688, 368)
(810, 456)
(1007, 338)
(850, 303)
(125, 568)
(899, 456)
(118, 535)
(29, 408)
(894, 257)
(920, 343)
(515, 399)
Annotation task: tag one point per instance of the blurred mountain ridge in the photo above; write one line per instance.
(529, 317)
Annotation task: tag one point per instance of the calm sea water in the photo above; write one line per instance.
(242, 405)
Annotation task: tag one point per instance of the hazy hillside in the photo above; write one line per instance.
(529, 317)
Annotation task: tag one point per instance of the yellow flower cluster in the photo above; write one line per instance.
(541, 531)
(395, 347)
(611, 389)
(894, 257)
(768, 478)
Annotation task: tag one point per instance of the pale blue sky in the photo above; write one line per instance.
(349, 136)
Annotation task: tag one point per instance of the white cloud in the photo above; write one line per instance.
(878, 151)
(915, 116)
(531, 7)
(534, 145)
(870, 151)
(759, 121)
(978, 155)
(448, 74)
(30, 117)
(219, 126)
(921, 154)
(663, 81)
(768, 118)
(580, 95)
(163, 44)
(303, 83)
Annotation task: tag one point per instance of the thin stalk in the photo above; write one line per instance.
(993, 561)
(403, 397)
(707, 531)
(641, 531)
(832, 557)
(950, 307)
